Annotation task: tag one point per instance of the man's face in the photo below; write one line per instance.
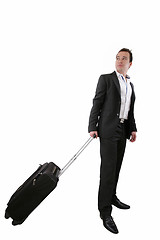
(122, 62)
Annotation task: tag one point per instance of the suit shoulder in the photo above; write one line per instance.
(108, 74)
(106, 77)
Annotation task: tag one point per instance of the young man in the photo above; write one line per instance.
(112, 119)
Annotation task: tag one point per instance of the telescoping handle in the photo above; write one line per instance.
(76, 155)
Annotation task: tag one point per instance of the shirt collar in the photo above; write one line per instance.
(118, 75)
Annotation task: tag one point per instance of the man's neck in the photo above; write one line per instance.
(123, 73)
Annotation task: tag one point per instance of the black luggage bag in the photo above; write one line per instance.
(32, 192)
(36, 188)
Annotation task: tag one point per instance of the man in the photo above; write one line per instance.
(112, 119)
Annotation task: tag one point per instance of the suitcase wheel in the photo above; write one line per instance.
(7, 215)
(15, 222)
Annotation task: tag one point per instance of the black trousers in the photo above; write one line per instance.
(112, 152)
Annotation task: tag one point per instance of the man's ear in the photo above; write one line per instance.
(130, 64)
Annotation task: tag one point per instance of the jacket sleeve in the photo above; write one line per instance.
(133, 127)
(97, 104)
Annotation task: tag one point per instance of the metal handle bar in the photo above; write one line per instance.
(75, 156)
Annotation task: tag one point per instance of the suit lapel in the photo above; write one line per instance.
(116, 82)
(133, 94)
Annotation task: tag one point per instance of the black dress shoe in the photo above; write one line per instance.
(116, 202)
(110, 225)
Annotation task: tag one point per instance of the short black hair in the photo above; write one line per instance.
(129, 51)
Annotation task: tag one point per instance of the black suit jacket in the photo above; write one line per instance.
(104, 115)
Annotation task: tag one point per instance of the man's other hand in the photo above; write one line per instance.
(133, 137)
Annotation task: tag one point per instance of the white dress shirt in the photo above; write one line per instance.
(126, 92)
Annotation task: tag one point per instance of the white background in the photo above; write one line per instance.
(51, 56)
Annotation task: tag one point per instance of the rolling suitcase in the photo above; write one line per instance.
(36, 188)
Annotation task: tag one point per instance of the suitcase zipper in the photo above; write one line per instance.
(34, 182)
(40, 173)
(35, 179)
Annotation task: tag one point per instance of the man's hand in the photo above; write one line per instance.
(133, 137)
(92, 133)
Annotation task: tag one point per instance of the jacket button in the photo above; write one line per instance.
(117, 114)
